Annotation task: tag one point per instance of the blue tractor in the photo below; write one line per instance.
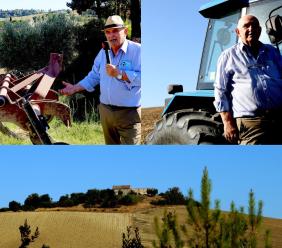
(190, 117)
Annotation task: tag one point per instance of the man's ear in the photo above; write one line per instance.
(259, 30)
(237, 32)
(126, 31)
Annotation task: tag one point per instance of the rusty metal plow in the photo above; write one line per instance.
(29, 102)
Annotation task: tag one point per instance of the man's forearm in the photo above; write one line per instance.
(230, 127)
(227, 117)
(77, 88)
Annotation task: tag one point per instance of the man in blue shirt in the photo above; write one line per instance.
(248, 88)
(120, 85)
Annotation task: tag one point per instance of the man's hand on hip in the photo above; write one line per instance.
(230, 128)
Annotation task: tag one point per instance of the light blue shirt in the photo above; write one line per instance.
(114, 91)
(245, 84)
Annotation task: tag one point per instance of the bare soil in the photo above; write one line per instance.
(149, 117)
(98, 227)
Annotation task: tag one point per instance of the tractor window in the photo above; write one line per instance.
(220, 36)
(261, 10)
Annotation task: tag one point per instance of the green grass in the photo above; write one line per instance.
(83, 133)
(86, 133)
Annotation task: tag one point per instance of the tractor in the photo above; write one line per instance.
(190, 117)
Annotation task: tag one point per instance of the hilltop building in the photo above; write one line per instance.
(126, 189)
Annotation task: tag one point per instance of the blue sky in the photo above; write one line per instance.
(173, 34)
(34, 4)
(59, 170)
(172, 41)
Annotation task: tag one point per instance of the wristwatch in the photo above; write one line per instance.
(119, 76)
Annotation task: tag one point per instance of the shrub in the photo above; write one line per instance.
(27, 47)
(172, 196)
(65, 201)
(131, 242)
(32, 202)
(130, 199)
(152, 192)
(15, 206)
(26, 236)
(108, 198)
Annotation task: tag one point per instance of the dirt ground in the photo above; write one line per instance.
(149, 117)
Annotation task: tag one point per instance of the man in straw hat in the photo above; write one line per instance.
(120, 85)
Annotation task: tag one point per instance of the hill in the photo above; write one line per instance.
(82, 228)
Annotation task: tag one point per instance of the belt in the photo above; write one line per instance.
(114, 107)
(269, 112)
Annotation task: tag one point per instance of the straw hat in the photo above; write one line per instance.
(114, 21)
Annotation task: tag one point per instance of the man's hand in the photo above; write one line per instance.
(112, 70)
(230, 128)
(70, 89)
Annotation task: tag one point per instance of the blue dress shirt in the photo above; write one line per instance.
(114, 91)
(245, 84)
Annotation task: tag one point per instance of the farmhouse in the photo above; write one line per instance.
(126, 189)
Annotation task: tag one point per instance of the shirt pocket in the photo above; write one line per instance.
(125, 65)
(271, 69)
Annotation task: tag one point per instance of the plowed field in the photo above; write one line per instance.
(149, 117)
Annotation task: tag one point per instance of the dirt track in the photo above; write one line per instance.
(149, 117)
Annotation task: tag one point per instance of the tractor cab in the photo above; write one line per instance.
(221, 31)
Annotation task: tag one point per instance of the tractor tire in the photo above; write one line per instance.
(187, 127)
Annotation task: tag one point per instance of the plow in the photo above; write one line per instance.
(30, 103)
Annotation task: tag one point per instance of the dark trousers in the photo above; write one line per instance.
(264, 129)
(121, 125)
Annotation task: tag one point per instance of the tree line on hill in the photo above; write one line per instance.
(105, 198)
(18, 12)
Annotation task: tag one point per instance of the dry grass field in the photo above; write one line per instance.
(73, 228)
(66, 229)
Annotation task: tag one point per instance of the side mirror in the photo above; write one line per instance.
(274, 29)
(174, 88)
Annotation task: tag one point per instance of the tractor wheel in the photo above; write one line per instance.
(187, 127)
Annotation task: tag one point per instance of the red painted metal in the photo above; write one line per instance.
(43, 100)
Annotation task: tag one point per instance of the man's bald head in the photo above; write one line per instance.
(248, 30)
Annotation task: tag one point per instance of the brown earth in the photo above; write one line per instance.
(149, 117)
(98, 227)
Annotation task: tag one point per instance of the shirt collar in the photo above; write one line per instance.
(244, 47)
(124, 46)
